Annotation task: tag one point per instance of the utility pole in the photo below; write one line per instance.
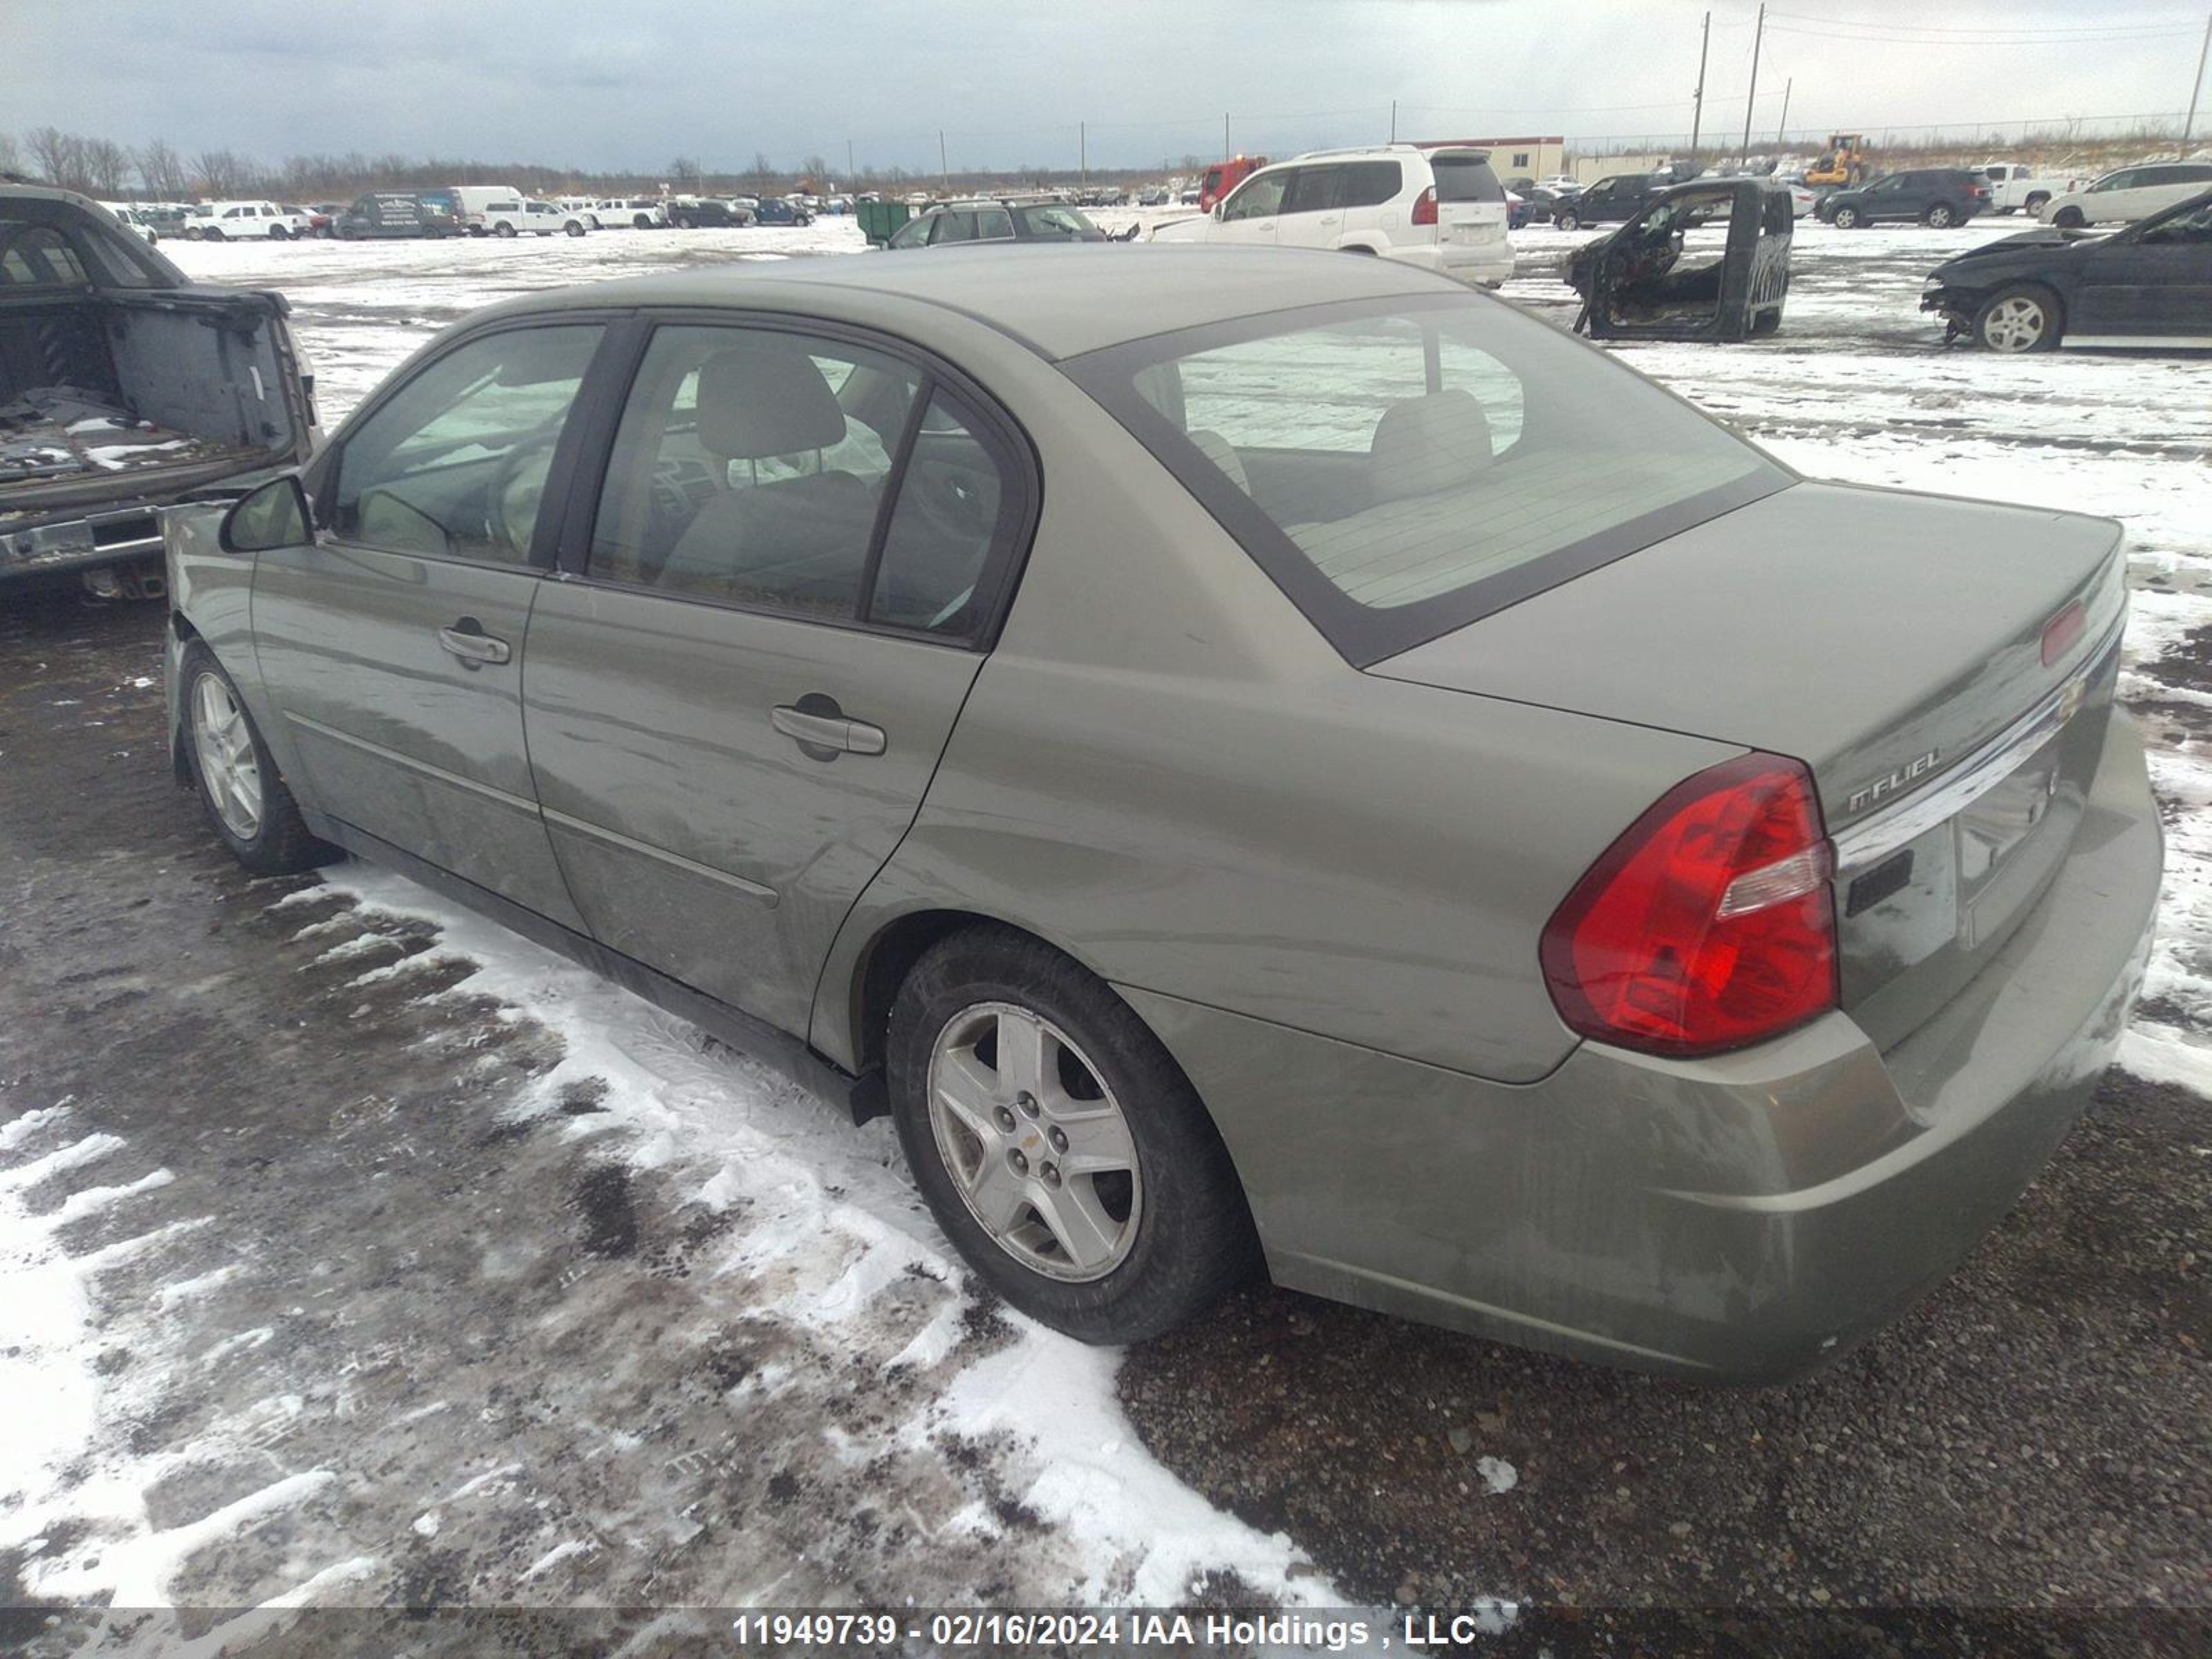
(1394, 120)
(1781, 133)
(943, 166)
(2196, 86)
(1698, 119)
(851, 173)
(1757, 35)
(1225, 151)
(1082, 153)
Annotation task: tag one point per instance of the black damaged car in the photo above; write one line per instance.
(2148, 286)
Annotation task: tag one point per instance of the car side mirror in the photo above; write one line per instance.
(1218, 206)
(273, 516)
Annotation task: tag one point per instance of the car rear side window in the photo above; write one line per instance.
(1371, 183)
(1466, 178)
(749, 467)
(1401, 468)
(1314, 190)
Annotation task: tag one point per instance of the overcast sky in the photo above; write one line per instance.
(632, 84)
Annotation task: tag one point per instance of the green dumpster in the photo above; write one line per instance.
(880, 221)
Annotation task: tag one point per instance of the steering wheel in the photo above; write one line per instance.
(517, 489)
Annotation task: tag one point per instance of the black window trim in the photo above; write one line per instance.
(616, 374)
(1363, 635)
(322, 474)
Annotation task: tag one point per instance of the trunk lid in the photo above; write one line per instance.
(1893, 643)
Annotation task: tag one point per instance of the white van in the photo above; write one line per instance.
(472, 201)
(1440, 208)
(2128, 194)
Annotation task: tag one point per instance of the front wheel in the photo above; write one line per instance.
(2021, 318)
(1057, 1143)
(1567, 219)
(1940, 216)
(2070, 218)
(212, 234)
(1847, 218)
(244, 797)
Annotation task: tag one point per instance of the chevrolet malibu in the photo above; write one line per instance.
(1249, 757)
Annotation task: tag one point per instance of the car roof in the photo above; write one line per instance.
(1058, 300)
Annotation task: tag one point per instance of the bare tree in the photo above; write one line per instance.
(161, 170)
(221, 171)
(764, 171)
(685, 170)
(10, 157)
(106, 166)
(57, 155)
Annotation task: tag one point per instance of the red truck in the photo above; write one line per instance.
(1224, 176)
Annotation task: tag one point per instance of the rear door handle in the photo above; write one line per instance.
(467, 640)
(828, 728)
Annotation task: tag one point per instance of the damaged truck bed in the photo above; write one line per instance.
(124, 389)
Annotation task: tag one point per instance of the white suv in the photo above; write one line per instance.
(220, 220)
(1440, 208)
(2128, 194)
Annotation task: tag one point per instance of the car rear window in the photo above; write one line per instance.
(1401, 468)
(1466, 178)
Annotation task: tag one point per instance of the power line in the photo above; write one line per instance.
(1890, 28)
(1984, 41)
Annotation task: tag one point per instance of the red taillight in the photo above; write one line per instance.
(2061, 631)
(1425, 207)
(1709, 925)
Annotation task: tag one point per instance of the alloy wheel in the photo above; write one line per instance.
(2014, 324)
(1035, 1142)
(230, 770)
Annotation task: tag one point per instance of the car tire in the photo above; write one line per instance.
(572, 228)
(2037, 202)
(684, 221)
(643, 222)
(1568, 219)
(239, 787)
(1939, 216)
(213, 233)
(2020, 318)
(504, 230)
(2070, 218)
(1847, 217)
(279, 233)
(1159, 1240)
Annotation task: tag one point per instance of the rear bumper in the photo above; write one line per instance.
(97, 541)
(1484, 265)
(1738, 1220)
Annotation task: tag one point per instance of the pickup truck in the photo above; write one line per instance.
(2015, 187)
(125, 389)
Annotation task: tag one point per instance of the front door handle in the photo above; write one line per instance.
(824, 731)
(467, 640)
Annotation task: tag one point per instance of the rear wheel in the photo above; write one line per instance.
(2024, 316)
(574, 228)
(279, 233)
(503, 228)
(684, 221)
(643, 222)
(243, 795)
(1057, 1143)
(2038, 201)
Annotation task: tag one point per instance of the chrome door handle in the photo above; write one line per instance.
(835, 733)
(466, 640)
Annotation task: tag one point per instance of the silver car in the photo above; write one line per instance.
(1250, 757)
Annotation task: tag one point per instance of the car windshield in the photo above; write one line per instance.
(1057, 223)
(1402, 468)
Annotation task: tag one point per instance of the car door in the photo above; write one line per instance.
(2154, 281)
(781, 589)
(1312, 213)
(1250, 215)
(391, 644)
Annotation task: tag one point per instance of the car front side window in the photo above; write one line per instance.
(454, 463)
(1261, 197)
